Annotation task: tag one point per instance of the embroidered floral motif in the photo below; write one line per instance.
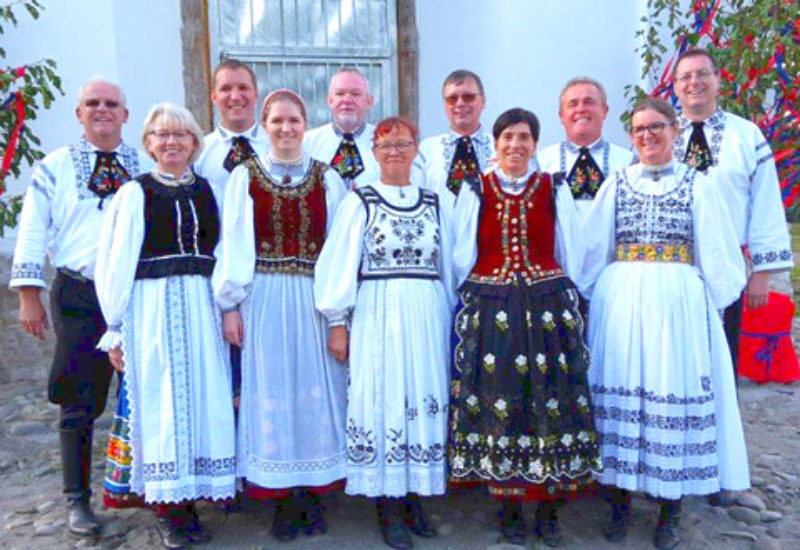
(541, 363)
(360, 444)
(488, 362)
(666, 219)
(501, 321)
(501, 409)
(547, 321)
(521, 364)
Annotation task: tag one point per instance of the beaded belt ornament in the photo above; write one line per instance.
(655, 252)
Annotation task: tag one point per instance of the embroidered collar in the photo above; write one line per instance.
(338, 131)
(514, 182)
(251, 133)
(85, 146)
(477, 136)
(278, 169)
(593, 147)
(656, 171)
(171, 181)
(714, 121)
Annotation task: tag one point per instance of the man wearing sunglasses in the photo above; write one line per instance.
(585, 158)
(62, 215)
(735, 154)
(346, 142)
(446, 161)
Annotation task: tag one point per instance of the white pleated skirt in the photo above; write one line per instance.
(662, 383)
(397, 410)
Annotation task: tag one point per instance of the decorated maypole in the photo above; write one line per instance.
(756, 44)
(22, 90)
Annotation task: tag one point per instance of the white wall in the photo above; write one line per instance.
(136, 43)
(524, 51)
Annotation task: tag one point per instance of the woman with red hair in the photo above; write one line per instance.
(383, 281)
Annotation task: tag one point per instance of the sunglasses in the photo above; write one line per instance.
(467, 98)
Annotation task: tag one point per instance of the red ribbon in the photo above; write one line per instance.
(11, 148)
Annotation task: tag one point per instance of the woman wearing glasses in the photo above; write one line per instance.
(662, 260)
(278, 210)
(154, 264)
(382, 281)
(521, 418)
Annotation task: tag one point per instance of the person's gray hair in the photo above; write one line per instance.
(582, 80)
(173, 115)
(350, 70)
(100, 80)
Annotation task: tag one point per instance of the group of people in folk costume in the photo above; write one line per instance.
(351, 308)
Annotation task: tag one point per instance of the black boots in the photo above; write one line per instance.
(286, 519)
(415, 518)
(616, 529)
(313, 517)
(547, 523)
(391, 519)
(669, 516)
(512, 522)
(76, 462)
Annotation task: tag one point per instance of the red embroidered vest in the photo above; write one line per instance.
(516, 234)
(289, 221)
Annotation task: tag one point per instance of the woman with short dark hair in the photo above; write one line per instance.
(521, 418)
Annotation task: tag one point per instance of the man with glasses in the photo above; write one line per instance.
(62, 214)
(449, 160)
(585, 158)
(346, 142)
(238, 136)
(734, 153)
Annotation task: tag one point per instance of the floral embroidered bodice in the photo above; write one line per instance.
(398, 241)
(646, 218)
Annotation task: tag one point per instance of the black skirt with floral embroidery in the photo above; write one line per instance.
(521, 415)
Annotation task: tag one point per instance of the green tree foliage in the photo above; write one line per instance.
(756, 44)
(37, 84)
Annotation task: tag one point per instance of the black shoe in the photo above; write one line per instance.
(512, 522)
(314, 517)
(173, 536)
(195, 531)
(392, 524)
(80, 519)
(669, 516)
(616, 529)
(75, 464)
(415, 518)
(547, 524)
(284, 523)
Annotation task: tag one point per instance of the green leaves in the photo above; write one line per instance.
(38, 86)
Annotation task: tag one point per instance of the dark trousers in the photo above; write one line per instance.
(732, 320)
(79, 376)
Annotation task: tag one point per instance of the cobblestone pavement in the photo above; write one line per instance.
(32, 509)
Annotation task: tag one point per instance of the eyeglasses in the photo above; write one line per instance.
(400, 146)
(702, 74)
(179, 135)
(107, 103)
(467, 97)
(654, 128)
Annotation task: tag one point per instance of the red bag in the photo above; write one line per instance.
(766, 351)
